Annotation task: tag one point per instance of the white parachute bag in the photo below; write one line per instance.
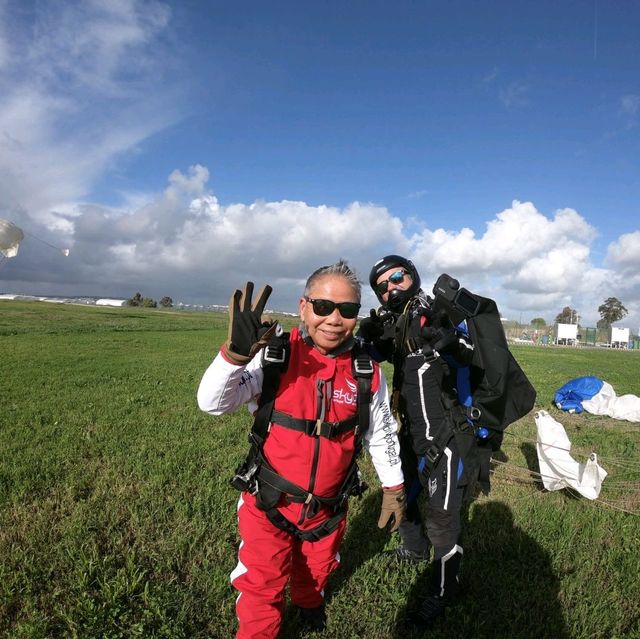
(557, 467)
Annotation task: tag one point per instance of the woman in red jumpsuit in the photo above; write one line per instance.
(318, 385)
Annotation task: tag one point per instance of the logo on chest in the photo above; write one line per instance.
(346, 395)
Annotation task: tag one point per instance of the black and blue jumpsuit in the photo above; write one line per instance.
(424, 394)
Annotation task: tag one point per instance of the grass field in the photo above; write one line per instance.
(117, 519)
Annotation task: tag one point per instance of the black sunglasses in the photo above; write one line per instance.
(394, 278)
(323, 308)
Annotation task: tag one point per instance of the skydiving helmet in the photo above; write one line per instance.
(397, 297)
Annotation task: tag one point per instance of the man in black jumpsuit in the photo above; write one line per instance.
(425, 349)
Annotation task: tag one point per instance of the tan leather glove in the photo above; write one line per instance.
(394, 503)
(247, 331)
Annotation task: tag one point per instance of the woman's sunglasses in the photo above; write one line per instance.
(323, 308)
(394, 278)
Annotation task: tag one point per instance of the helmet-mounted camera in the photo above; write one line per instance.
(458, 302)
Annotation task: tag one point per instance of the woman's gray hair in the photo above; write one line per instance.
(340, 268)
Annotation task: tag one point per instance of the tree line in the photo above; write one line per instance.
(611, 310)
(148, 302)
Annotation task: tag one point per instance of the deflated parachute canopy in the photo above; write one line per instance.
(597, 397)
(10, 238)
(557, 467)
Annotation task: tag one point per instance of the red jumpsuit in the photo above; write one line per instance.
(268, 558)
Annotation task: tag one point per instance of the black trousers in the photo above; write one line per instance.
(444, 499)
(424, 419)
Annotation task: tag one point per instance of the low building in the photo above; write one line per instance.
(109, 302)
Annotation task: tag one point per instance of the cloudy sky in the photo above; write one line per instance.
(181, 148)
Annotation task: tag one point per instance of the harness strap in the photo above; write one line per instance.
(314, 534)
(274, 361)
(363, 372)
(312, 426)
(257, 476)
(457, 423)
(293, 492)
(353, 485)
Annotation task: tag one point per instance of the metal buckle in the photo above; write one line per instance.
(432, 454)
(474, 413)
(363, 366)
(274, 354)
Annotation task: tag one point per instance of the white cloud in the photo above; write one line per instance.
(490, 76)
(525, 259)
(625, 252)
(623, 257)
(185, 244)
(630, 108)
(514, 95)
(84, 83)
(82, 87)
(517, 237)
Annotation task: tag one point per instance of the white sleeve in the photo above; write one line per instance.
(381, 440)
(224, 387)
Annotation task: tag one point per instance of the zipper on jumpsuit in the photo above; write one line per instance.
(320, 414)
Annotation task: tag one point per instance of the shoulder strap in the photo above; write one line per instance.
(275, 359)
(362, 368)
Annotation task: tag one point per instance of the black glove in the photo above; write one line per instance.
(371, 328)
(441, 336)
(247, 332)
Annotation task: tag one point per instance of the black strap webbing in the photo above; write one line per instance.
(314, 534)
(363, 372)
(273, 366)
(294, 493)
(274, 362)
(314, 427)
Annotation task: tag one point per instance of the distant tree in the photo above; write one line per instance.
(136, 300)
(166, 302)
(538, 322)
(568, 315)
(147, 302)
(611, 310)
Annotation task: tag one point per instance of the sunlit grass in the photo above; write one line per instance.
(117, 519)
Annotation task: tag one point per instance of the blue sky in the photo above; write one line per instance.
(179, 148)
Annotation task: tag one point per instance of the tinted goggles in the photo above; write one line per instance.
(323, 308)
(394, 278)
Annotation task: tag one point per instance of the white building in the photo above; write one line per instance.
(108, 302)
(618, 337)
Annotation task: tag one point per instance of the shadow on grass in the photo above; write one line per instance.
(530, 455)
(362, 541)
(507, 584)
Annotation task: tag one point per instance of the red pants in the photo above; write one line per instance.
(268, 558)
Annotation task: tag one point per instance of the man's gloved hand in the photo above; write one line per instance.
(441, 336)
(247, 332)
(394, 503)
(371, 328)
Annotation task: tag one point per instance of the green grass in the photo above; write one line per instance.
(117, 520)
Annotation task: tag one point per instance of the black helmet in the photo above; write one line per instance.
(397, 297)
